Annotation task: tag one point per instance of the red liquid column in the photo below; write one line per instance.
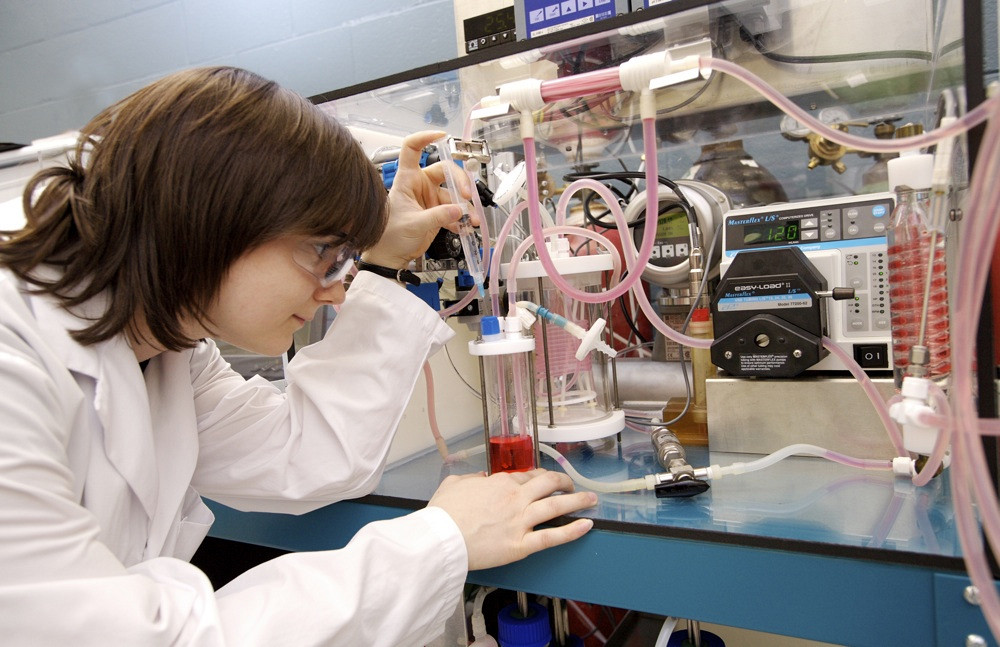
(509, 417)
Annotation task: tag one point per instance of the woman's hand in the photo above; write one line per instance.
(418, 205)
(497, 514)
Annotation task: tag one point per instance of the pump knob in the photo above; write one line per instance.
(838, 294)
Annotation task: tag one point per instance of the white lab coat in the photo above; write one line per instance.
(101, 467)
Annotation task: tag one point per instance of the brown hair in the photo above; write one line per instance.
(172, 184)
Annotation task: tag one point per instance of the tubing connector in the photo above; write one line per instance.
(525, 94)
(681, 480)
(917, 438)
(904, 466)
(647, 105)
(660, 69)
(636, 73)
(589, 339)
(527, 125)
(592, 340)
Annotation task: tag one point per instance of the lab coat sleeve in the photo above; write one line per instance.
(59, 584)
(394, 584)
(327, 436)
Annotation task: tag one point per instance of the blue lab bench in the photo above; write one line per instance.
(806, 548)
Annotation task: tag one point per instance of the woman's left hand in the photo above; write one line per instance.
(418, 205)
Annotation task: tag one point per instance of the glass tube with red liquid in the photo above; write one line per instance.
(918, 280)
(509, 418)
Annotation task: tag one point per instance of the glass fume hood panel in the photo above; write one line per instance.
(867, 67)
(862, 65)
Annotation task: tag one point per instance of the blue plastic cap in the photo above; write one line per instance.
(516, 631)
(490, 326)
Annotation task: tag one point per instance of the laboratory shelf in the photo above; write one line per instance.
(806, 548)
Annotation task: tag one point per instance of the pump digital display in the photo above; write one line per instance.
(786, 231)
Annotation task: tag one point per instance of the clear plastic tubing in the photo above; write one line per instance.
(941, 445)
(608, 81)
(971, 119)
(442, 447)
(534, 215)
(631, 262)
(791, 450)
(515, 213)
(466, 300)
(881, 406)
(630, 485)
(616, 260)
(969, 464)
(580, 85)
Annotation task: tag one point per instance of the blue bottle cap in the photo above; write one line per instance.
(515, 630)
(490, 327)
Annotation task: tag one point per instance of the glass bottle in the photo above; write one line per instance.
(912, 243)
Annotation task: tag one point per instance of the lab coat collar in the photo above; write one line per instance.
(113, 367)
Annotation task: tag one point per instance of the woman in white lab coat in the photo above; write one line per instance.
(214, 204)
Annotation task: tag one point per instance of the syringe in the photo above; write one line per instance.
(449, 150)
(467, 234)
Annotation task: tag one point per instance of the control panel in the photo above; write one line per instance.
(845, 239)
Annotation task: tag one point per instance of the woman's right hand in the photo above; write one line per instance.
(497, 514)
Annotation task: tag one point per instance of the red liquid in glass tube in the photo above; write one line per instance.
(511, 454)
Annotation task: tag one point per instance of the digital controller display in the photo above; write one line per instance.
(785, 231)
(489, 23)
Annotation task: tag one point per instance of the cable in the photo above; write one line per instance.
(687, 320)
(635, 175)
(629, 320)
(756, 41)
(459, 374)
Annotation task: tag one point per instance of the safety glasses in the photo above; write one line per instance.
(328, 262)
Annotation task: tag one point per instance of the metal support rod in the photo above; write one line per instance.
(560, 622)
(486, 415)
(548, 370)
(609, 338)
(534, 411)
(694, 632)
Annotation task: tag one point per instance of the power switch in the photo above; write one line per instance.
(872, 355)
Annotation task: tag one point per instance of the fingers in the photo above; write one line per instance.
(435, 173)
(543, 483)
(549, 537)
(556, 506)
(443, 215)
(413, 146)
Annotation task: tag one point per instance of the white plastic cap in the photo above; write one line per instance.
(915, 171)
(512, 327)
